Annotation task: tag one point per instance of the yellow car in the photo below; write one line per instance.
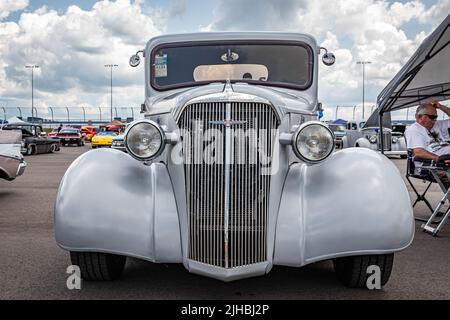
(103, 139)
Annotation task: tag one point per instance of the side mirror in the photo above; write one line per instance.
(135, 60)
(328, 58)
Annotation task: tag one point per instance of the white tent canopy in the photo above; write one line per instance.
(15, 120)
(425, 76)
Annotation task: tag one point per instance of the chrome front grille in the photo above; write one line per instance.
(226, 152)
(387, 141)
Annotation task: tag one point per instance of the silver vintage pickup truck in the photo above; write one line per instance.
(230, 172)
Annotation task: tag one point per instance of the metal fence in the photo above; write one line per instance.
(70, 114)
(337, 108)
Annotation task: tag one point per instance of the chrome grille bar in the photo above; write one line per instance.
(227, 198)
(387, 141)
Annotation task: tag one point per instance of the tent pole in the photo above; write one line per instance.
(381, 132)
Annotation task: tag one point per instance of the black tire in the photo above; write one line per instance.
(352, 271)
(403, 156)
(31, 149)
(97, 266)
(53, 147)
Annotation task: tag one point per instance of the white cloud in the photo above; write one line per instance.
(8, 6)
(71, 49)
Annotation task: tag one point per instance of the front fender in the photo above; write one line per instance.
(354, 203)
(365, 143)
(109, 202)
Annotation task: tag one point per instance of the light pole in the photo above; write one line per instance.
(111, 66)
(32, 67)
(363, 65)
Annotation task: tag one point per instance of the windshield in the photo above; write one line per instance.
(279, 63)
(69, 131)
(337, 127)
(107, 133)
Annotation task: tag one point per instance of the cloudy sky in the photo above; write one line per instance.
(71, 41)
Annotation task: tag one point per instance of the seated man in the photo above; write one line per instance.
(426, 136)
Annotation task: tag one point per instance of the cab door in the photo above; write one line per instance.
(41, 142)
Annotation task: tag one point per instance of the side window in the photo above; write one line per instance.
(38, 131)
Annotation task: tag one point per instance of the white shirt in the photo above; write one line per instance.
(418, 136)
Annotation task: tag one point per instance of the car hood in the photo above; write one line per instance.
(339, 133)
(103, 138)
(284, 100)
(119, 137)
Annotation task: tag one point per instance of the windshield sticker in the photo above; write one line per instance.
(161, 66)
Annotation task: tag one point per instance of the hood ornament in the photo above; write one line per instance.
(229, 56)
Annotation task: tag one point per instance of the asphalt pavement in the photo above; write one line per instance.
(32, 266)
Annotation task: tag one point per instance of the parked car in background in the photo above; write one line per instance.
(103, 139)
(53, 133)
(70, 136)
(230, 172)
(12, 163)
(34, 140)
(339, 131)
(89, 132)
(118, 142)
(355, 125)
(368, 136)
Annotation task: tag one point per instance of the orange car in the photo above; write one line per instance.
(89, 132)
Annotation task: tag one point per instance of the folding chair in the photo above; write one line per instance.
(437, 171)
(428, 174)
(422, 174)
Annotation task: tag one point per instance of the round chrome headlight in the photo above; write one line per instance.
(394, 139)
(373, 139)
(313, 142)
(144, 140)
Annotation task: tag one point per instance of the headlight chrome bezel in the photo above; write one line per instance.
(297, 133)
(373, 138)
(161, 133)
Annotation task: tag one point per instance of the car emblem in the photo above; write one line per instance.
(229, 56)
(226, 122)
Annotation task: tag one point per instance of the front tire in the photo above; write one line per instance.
(53, 147)
(97, 266)
(352, 271)
(31, 150)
